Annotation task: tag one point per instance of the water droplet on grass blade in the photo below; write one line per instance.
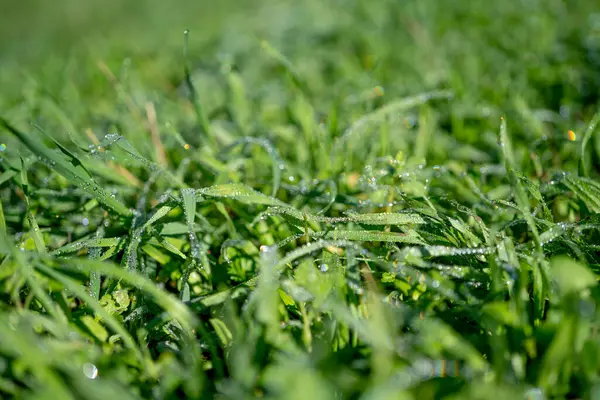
(535, 394)
(90, 370)
(265, 249)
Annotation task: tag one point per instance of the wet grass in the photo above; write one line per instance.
(350, 199)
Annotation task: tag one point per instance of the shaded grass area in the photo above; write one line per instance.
(341, 199)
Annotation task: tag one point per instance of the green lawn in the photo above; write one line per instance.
(339, 199)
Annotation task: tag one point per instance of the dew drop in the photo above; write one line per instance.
(85, 222)
(586, 309)
(355, 288)
(535, 394)
(90, 371)
(2, 147)
(323, 267)
(410, 122)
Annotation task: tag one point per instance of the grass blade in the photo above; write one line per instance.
(70, 168)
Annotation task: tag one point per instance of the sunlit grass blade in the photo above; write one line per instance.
(94, 242)
(410, 237)
(239, 192)
(366, 218)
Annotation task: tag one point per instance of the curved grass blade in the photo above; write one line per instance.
(35, 230)
(583, 163)
(7, 175)
(23, 345)
(122, 143)
(73, 159)
(193, 93)
(534, 191)
(586, 190)
(520, 194)
(2, 219)
(170, 304)
(34, 284)
(222, 296)
(95, 278)
(79, 291)
(276, 162)
(69, 167)
(286, 64)
(396, 106)
(435, 334)
(160, 213)
(332, 197)
(166, 244)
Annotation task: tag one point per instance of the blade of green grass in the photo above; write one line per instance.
(583, 162)
(70, 168)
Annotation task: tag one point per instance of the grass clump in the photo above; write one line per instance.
(357, 199)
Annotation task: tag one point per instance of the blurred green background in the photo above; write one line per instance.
(34, 28)
(549, 46)
(533, 61)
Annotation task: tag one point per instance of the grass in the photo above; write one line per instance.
(350, 200)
